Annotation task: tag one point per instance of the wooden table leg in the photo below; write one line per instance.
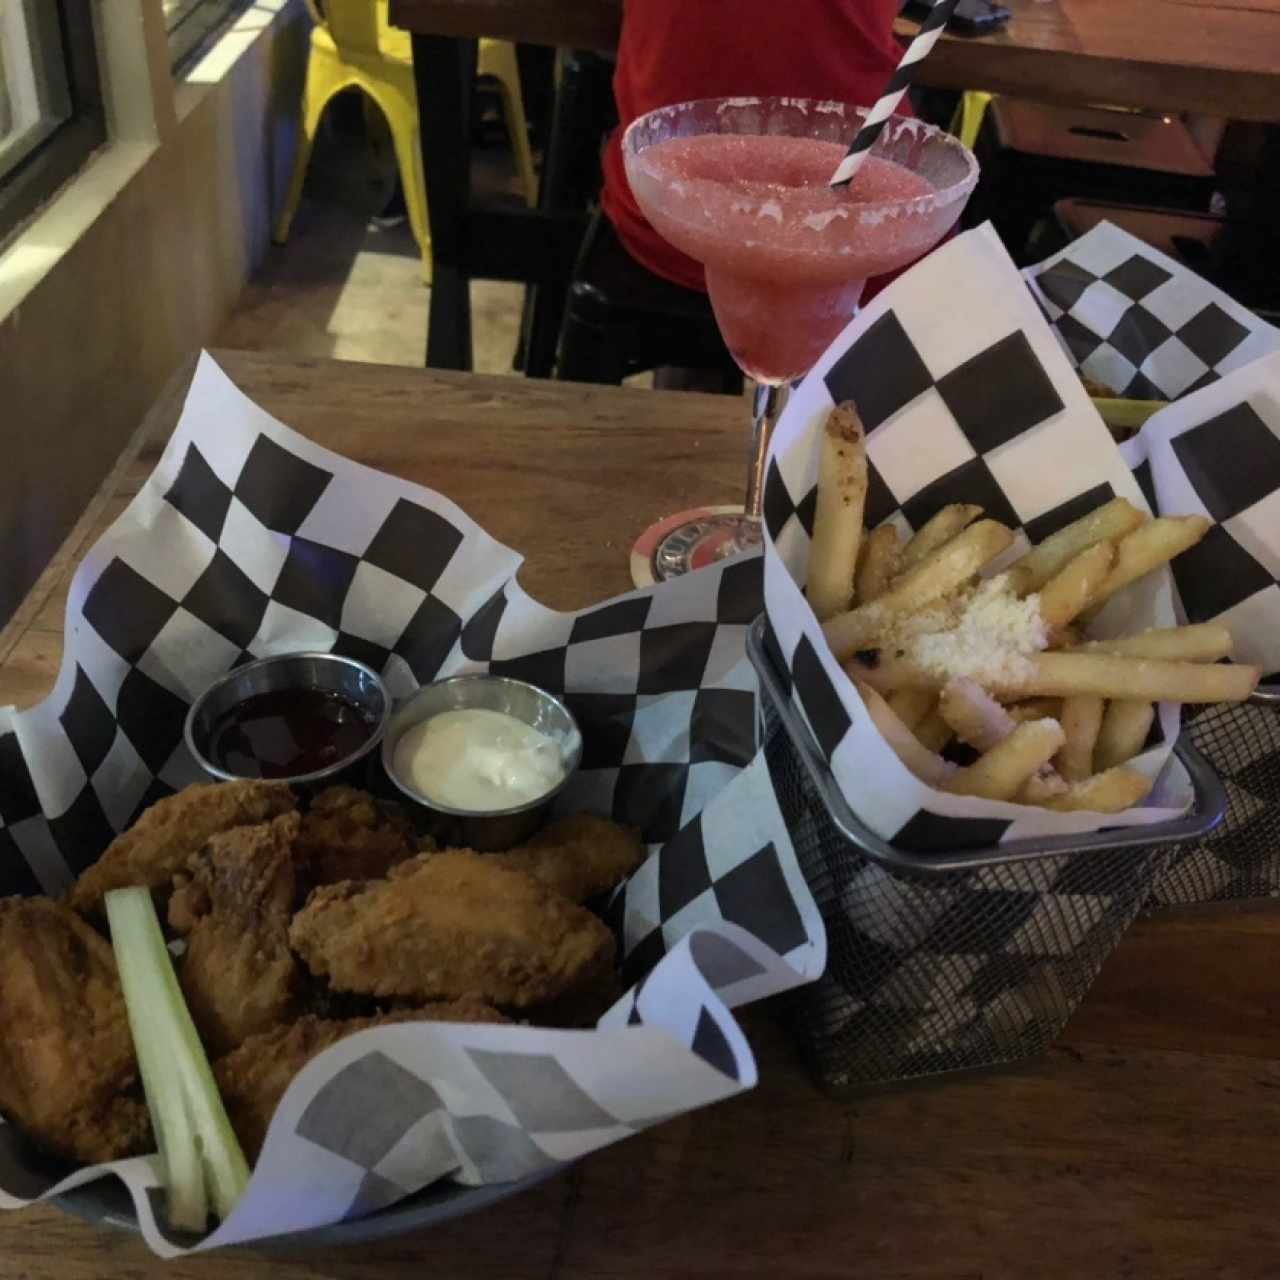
(582, 113)
(444, 70)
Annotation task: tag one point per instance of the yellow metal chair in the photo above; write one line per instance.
(969, 112)
(354, 46)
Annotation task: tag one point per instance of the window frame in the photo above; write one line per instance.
(198, 21)
(68, 143)
(32, 30)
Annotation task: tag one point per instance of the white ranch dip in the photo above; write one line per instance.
(478, 760)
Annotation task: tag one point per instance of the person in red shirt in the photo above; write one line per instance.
(676, 50)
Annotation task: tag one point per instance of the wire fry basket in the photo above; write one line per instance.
(1241, 858)
(953, 962)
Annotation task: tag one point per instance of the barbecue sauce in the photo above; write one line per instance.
(289, 732)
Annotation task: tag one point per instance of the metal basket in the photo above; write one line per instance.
(953, 962)
(1241, 859)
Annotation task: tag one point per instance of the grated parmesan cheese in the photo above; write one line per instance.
(991, 641)
(895, 630)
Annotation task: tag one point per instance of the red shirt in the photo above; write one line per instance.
(676, 50)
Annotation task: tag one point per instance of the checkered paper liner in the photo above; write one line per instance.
(985, 411)
(249, 540)
(1216, 453)
(1133, 319)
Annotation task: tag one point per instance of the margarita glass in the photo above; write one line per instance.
(742, 185)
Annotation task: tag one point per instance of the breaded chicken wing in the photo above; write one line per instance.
(167, 834)
(577, 857)
(450, 925)
(66, 1055)
(234, 903)
(349, 835)
(253, 1078)
(582, 1007)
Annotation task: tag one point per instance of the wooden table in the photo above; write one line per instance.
(1220, 57)
(1212, 56)
(1147, 1144)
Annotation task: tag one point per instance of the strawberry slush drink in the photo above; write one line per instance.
(743, 186)
(786, 255)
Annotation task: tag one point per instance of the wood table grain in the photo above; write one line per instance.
(1220, 57)
(1146, 1145)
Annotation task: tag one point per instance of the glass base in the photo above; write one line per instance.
(691, 540)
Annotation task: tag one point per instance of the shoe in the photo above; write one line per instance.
(394, 213)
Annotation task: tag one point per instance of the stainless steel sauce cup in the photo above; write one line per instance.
(489, 829)
(329, 672)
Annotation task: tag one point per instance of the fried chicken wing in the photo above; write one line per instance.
(253, 1078)
(167, 834)
(349, 835)
(234, 903)
(577, 857)
(582, 1007)
(454, 925)
(66, 1056)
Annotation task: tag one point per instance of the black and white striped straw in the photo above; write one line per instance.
(930, 31)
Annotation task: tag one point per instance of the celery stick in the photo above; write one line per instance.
(198, 1148)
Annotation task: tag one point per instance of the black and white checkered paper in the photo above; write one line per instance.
(1133, 319)
(1137, 321)
(966, 397)
(1216, 453)
(250, 540)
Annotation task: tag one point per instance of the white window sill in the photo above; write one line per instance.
(216, 63)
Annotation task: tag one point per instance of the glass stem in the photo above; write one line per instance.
(766, 408)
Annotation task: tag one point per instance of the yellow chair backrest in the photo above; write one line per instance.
(355, 25)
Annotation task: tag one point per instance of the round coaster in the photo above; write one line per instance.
(642, 571)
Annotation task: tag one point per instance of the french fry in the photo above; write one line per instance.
(1035, 709)
(1073, 588)
(1108, 792)
(837, 519)
(911, 705)
(1066, 674)
(981, 722)
(1147, 548)
(1081, 720)
(1000, 772)
(1112, 520)
(888, 675)
(1204, 642)
(936, 531)
(862, 556)
(936, 652)
(937, 574)
(933, 732)
(1124, 729)
(925, 764)
(1040, 787)
(978, 720)
(879, 564)
(1108, 676)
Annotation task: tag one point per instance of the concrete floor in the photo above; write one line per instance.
(347, 288)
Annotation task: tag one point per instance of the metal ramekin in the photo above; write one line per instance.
(328, 671)
(500, 828)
